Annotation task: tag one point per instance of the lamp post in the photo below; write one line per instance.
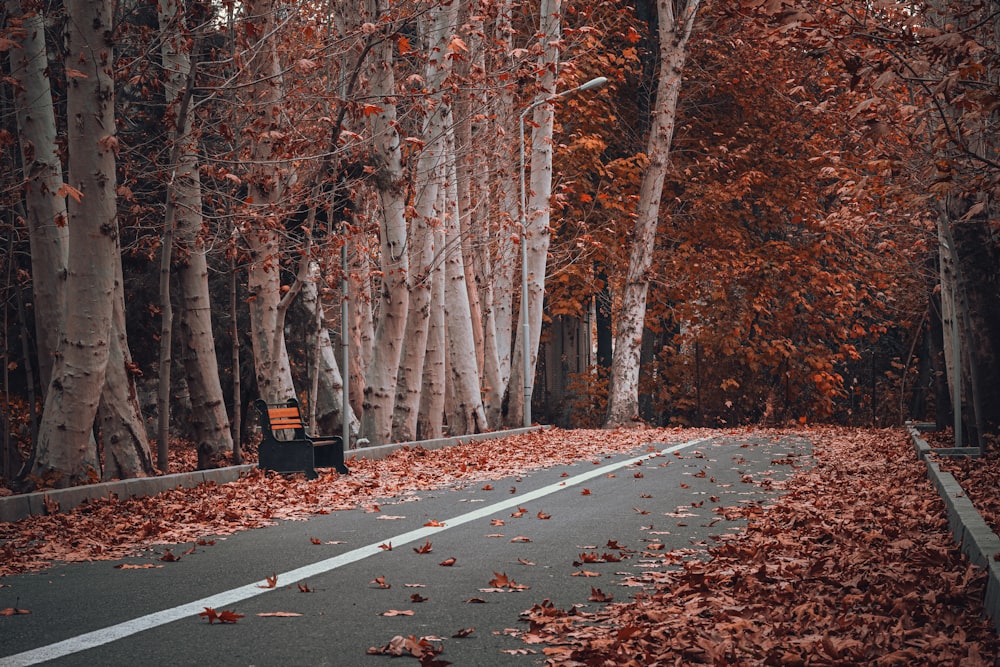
(525, 323)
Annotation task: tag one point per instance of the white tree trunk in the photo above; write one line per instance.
(209, 423)
(674, 33)
(380, 389)
(124, 440)
(265, 187)
(537, 234)
(466, 413)
(432, 398)
(65, 454)
(329, 395)
(441, 25)
(45, 204)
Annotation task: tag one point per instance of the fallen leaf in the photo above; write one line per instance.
(543, 516)
(397, 612)
(385, 546)
(434, 524)
(270, 582)
(585, 492)
(464, 632)
(304, 588)
(380, 582)
(13, 611)
(417, 597)
(169, 557)
(448, 562)
(520, 538)
(597, 595)
(425, 548)
(279, 614)
(221, 617)
(133, 566)
(315, 540)
(585, 573)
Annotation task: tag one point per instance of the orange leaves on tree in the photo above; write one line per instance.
(221, 616)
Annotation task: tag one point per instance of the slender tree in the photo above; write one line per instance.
(676, 21)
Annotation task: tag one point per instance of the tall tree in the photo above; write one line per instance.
(185, 222)
(65, 453)
(676, 21)
(536, 233)
(390, 181)
(45, 197)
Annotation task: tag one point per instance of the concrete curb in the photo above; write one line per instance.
(20, 506)
(978, 541)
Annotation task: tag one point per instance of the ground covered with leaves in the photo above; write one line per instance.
(855, 564)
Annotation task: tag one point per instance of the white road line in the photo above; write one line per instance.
(156, 619)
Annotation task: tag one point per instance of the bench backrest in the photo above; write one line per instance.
(281, 422)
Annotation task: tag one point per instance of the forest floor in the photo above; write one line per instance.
(853, 564)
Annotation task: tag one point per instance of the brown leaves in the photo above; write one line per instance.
(221, 617)
(13, 611)
(852, 571)
(420, 648)
(425, 548)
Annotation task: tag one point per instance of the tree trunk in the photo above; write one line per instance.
(65, 453)
(124, 440)
(209, 423)
(674, 33)
(441, 26)
(328, 398)
(536, 233)
(432, 398)
(466, 413)
(45, 201)
(266, 187)
(380, 389)
(494, 233)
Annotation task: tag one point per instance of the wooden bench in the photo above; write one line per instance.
(288, 447)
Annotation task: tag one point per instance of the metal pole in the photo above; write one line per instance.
(345, 427)
(525, 320)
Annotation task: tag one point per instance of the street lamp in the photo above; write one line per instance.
(525, 324)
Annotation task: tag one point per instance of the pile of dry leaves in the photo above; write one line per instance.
(854, 565)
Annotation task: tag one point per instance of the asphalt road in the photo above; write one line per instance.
(534, 529)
